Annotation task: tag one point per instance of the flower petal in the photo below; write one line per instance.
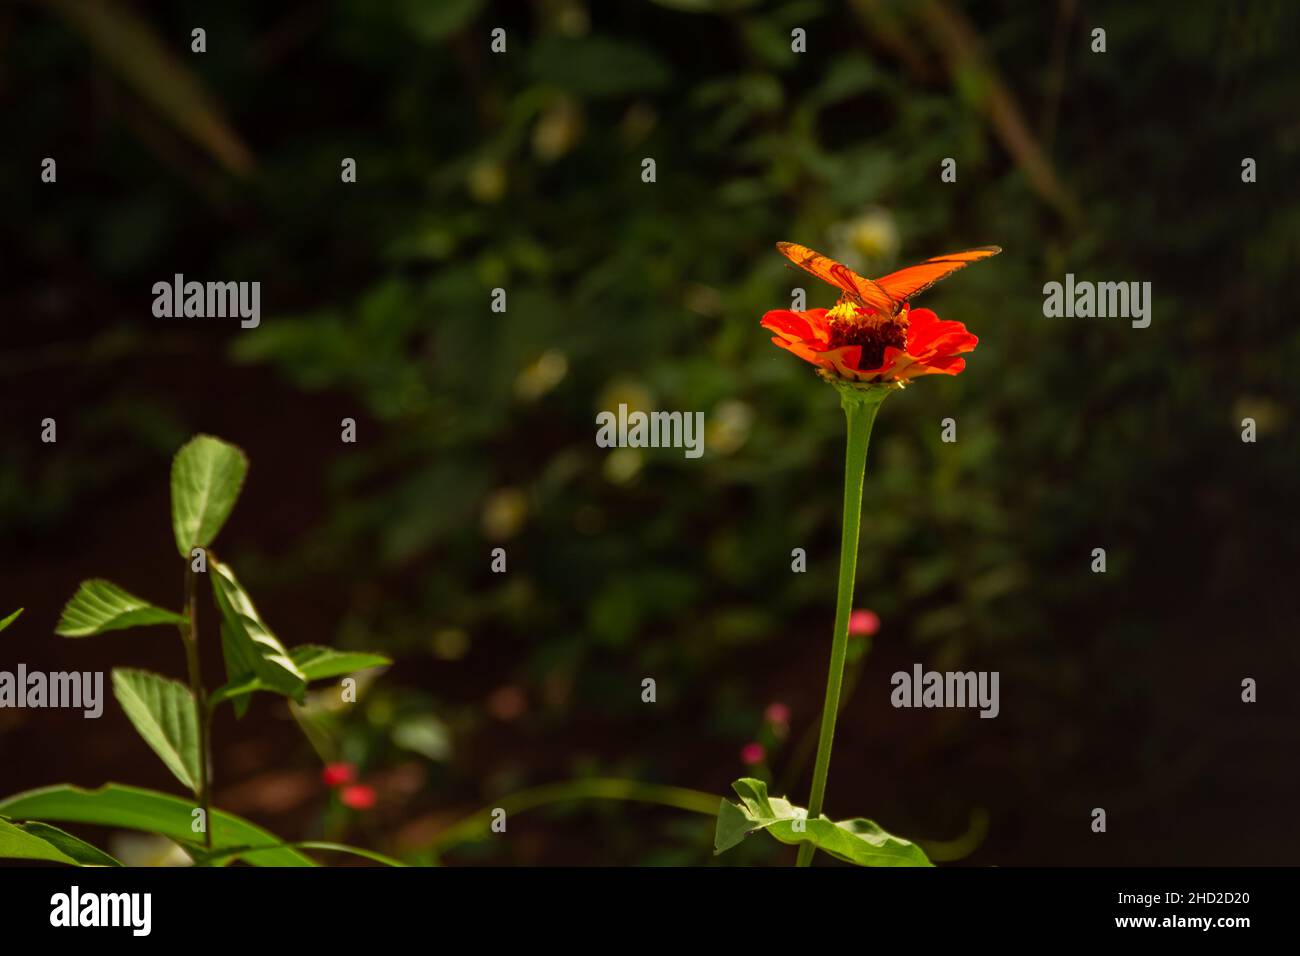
(789, 325)
(800, 349)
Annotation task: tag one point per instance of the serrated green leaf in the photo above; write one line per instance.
(858, 841)
(162, 712)
(249, 647)
(133, 808)
(100, 606)
(318, 662)
(315, 661)
(207, 475)
(10, 619)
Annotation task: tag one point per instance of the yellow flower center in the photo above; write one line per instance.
(851, 324)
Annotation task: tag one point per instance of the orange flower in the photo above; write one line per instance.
(859, 344)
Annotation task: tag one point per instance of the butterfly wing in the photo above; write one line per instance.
(859, 288)
(905, 283)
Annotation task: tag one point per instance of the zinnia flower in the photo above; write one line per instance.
(859, 344)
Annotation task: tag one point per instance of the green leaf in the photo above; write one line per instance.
(100, 606)
(317, 662)
(75, 848)
(857, 841)
(17, 844)
(732, 828)
(239, 688)
(132, 808)
(162, 711)
(237, 691)
(10, 619)
(207, 474)
(249, 647)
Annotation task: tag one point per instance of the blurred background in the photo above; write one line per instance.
(476, 429)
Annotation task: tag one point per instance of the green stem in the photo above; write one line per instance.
(860, 407)
(190, 634)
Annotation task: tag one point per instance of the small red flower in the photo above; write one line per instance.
(752, 754)
(859, 344)
(337, 774)
(863, 623)
(358, 796)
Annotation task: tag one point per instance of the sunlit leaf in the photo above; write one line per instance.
(162, 711)
(35, 840)
(10, 619)
(857, 841)
(17, 844)
(249, 647)
(100, 606)
(132, 808)
(207, 475)
(317, 662)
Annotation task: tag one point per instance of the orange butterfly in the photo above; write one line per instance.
(888, 295)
